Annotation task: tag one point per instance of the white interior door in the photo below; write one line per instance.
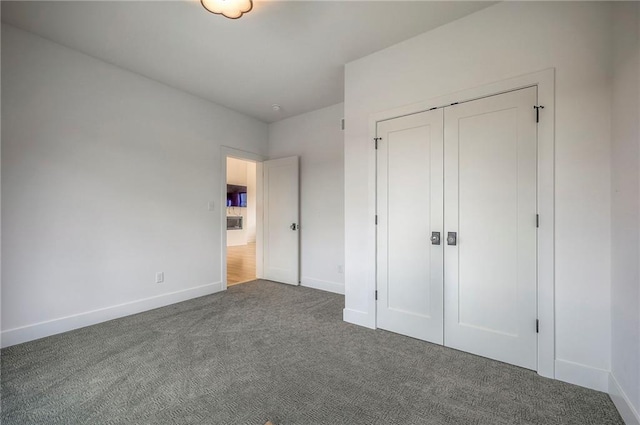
(490, 203)
(409, 209)
(281, 212)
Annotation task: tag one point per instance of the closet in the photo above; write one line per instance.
(457, 226)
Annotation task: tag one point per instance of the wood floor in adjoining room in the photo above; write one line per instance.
(241, 263)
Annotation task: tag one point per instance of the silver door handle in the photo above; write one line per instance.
(435, 238)
(293, 226)
(452, 238)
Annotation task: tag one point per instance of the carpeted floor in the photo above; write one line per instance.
(265, 351)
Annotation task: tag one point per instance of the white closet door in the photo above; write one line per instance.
(281, 220)
(409, 208)
(490, 203)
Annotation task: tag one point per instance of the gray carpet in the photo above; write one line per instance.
(269, 351)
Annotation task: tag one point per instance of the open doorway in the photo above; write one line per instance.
(241, 220)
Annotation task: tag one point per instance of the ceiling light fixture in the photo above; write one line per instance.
(232, 9)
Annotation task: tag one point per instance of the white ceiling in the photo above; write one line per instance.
(286, 52)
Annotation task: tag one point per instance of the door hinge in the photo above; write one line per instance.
(376, 140)
(376, 295)
(376, 219)
(537, 108)
(342, 124)
(537, 326)
(537, 220)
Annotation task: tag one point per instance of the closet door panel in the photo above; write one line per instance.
(490, 203)
(409, 209)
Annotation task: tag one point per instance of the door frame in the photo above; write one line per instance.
(228, 152)
(545, 82)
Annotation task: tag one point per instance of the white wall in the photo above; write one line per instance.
(318, 139)
(625, 210)
(243, 173)
(106, 177)
(500, 42)
(236, 171)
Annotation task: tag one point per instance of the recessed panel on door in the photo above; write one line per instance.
(409, 209)
(490, 205)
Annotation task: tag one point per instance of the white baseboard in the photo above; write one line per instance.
(323, 285)
(68, 323)
(583, 375)
(360, 318)
(629, 414)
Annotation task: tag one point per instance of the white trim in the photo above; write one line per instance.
(259, 221)
(228, 152)
(629, 414)
(545, 81)
(88, 318)
(240, 154)
(323, 285)
(583, 375)
(360, 318)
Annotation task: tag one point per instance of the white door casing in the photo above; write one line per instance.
(490, 202)
(544, 82)
(409, 209)
(281, 212)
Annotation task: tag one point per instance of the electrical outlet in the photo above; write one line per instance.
(160, 277)
(211, 206)
(340, 269)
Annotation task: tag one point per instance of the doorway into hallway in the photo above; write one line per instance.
(241, 221)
